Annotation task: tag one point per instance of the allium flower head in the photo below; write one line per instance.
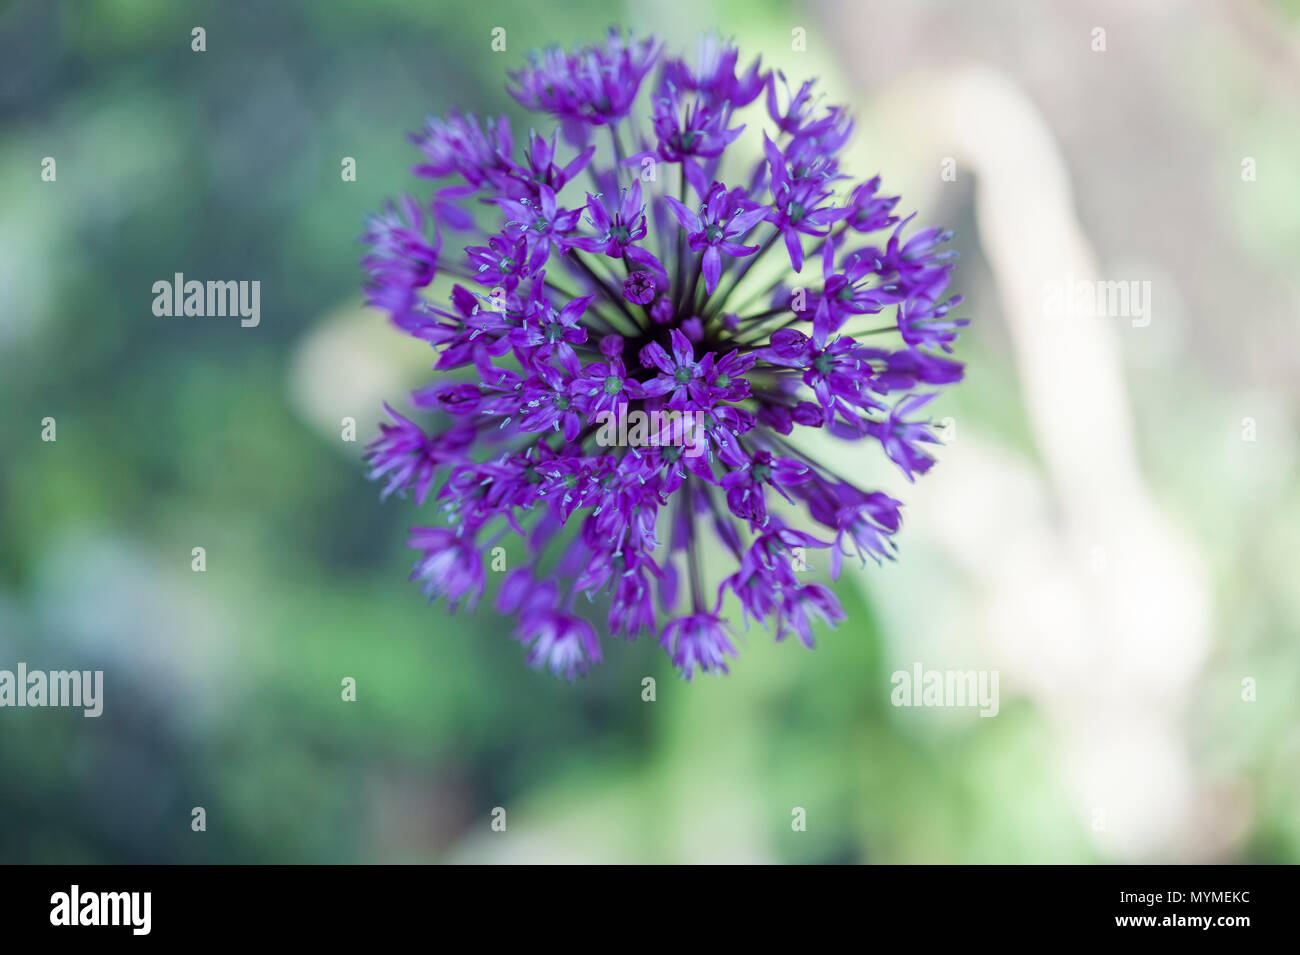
(637, 339)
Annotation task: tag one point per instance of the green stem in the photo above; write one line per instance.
(616, 300)
(721, 300)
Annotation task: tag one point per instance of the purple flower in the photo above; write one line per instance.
(714, 76)
(542, 170)
(621, 389)
(799, 200)
(867, 520)
(606, 385)
(563, 643)
(618, 231)
(541, 222)
(401, 258)
(901, 439)
(918, 263)
(639, 288)
(800, 606)
(723, 218)
(450, 566)
(798, 108)
(500, 262)
(687, 129)
(834, 371)
(923, 322)
(406, 457)
(869, 212)
(697, 642)
(547, 400)
(678, 372)
(746, 488)
(594, 86)
(541, 325)
(460, 145)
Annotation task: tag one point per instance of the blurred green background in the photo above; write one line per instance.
(1122, 599)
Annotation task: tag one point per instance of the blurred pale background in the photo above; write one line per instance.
(1114, 526)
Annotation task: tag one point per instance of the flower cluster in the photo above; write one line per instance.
(618, 264)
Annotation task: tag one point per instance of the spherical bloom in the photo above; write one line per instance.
(644, 329)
